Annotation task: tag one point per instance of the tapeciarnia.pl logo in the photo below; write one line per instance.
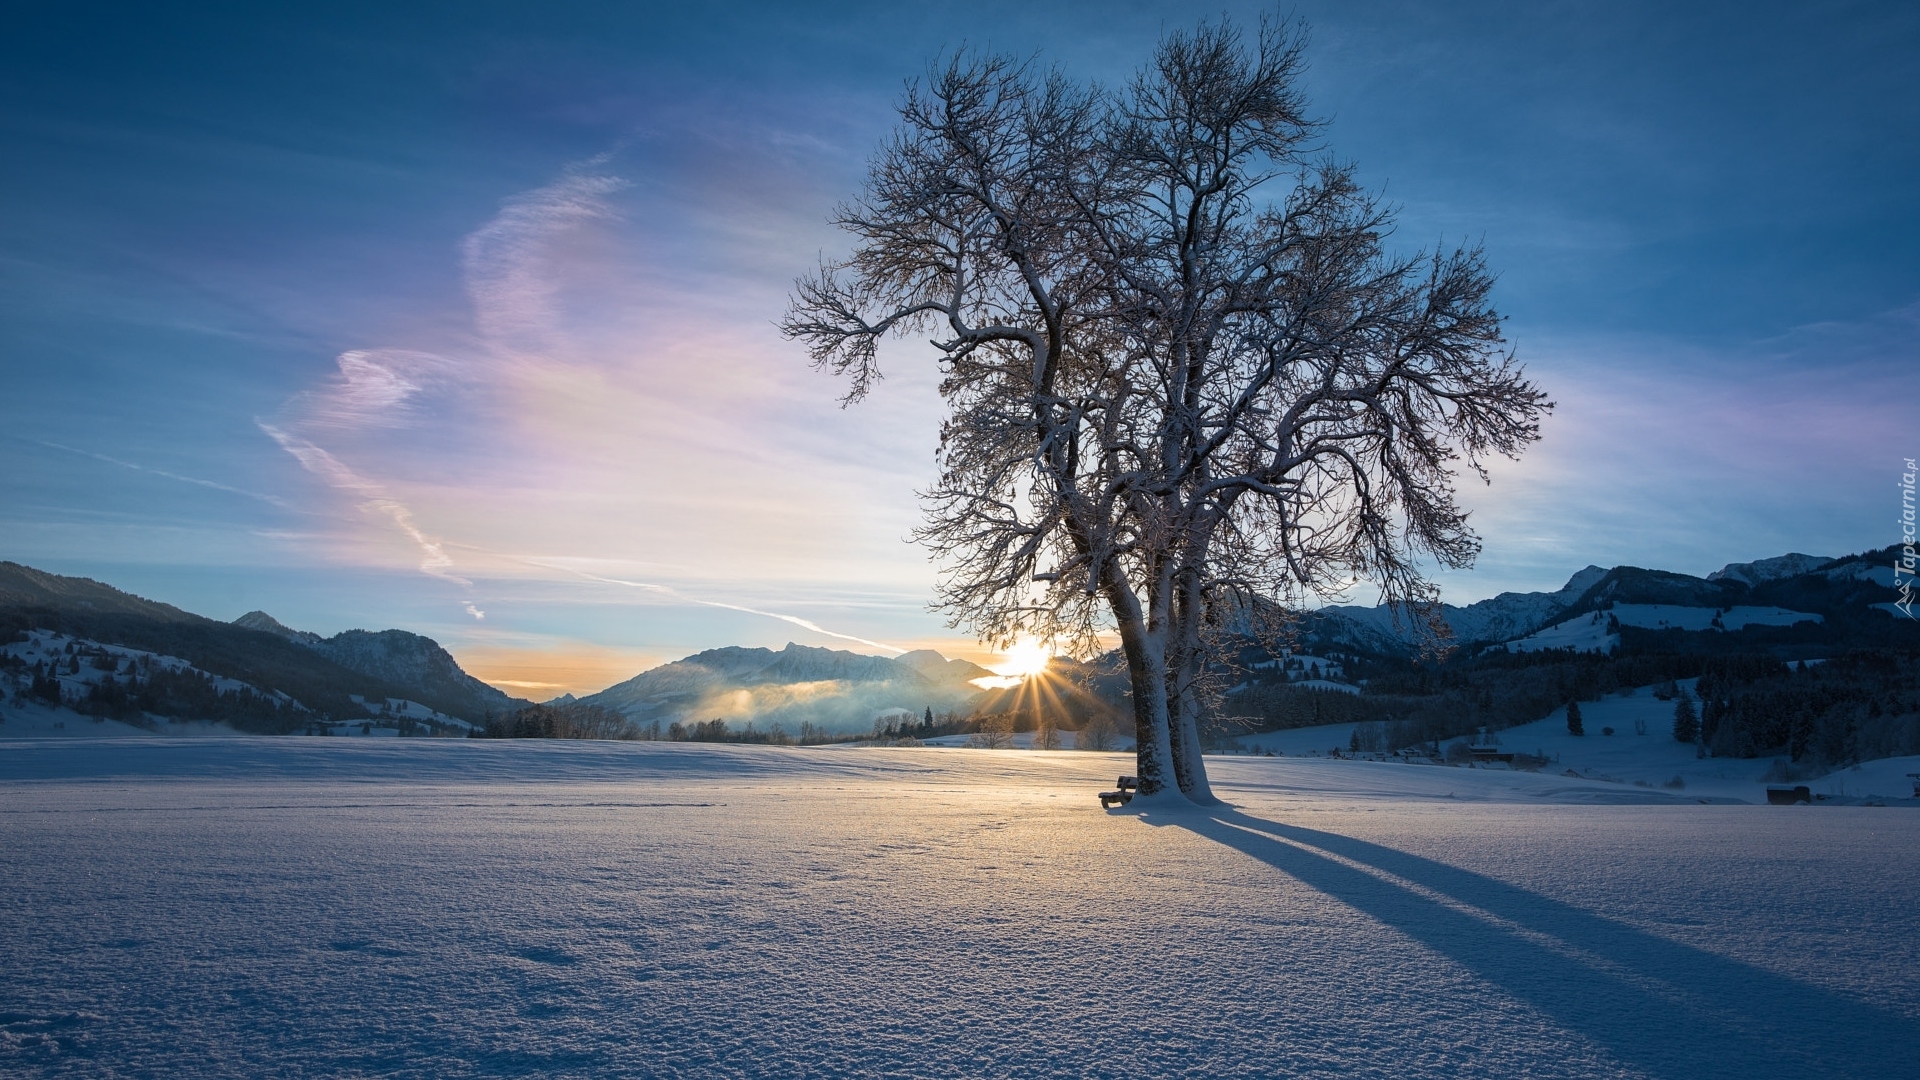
(1905, 565)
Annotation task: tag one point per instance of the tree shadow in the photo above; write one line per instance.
(1660, 1006)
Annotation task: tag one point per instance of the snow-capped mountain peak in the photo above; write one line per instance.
(1578, 584)
(1780, 566)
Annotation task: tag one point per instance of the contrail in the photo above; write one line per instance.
(215, 485)
(434, 561)
(806, 624)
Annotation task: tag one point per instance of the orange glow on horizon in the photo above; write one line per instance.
(539, 674)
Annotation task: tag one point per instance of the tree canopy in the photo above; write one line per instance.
(1187, 384)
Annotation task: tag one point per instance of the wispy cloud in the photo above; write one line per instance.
(508, 264)
(373, 388)
(610, 426)
(511, 279)
(373, 497)
(510, 261)
(668, 590)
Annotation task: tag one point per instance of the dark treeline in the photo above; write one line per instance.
(1856, 707)
(1859, 706)
(721, 731)
(570, 721)
(1427, 702)
(929, 726)
(166, 692)
(577, 721)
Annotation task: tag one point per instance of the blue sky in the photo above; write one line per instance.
(377, 317)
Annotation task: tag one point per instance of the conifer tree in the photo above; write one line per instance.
(1686, 725)
(1574, 726)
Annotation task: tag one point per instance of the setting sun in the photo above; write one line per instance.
(1026, 657)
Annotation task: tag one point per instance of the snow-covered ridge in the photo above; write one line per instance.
(267, 624)
(1598, 631)
(1739, 592)
(1789, 565)
(1678, 617)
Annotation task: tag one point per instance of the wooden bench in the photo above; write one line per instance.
(1123, 796)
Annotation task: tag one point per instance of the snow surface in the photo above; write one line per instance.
(26, 719)
(454, 908)
(1582, 633)
(1683, 617)
(1589, 632)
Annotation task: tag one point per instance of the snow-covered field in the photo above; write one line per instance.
(33, 720)
(360, 907)
(1629, 750)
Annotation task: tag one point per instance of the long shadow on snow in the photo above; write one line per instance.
(1669, 1009)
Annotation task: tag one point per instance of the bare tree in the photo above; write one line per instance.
(1046, 736)
(996, 733)
(1177, 403)
(1098, 733)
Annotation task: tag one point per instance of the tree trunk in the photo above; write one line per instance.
(1183, 705)
(1190, 769)
(1145, 651)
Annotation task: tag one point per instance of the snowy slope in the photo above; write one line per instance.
(27, 719)
(1582, 633)
(59, 652)
(1655, 760)
(256, 648)
(1676, 616)
(316, 907)
(1781, 566)
(1302, 670)
(1593, 632)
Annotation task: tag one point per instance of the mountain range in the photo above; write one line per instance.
(333, 678)
(418, 664)
(1845, 592)
(1812, 606)
(796, 685)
